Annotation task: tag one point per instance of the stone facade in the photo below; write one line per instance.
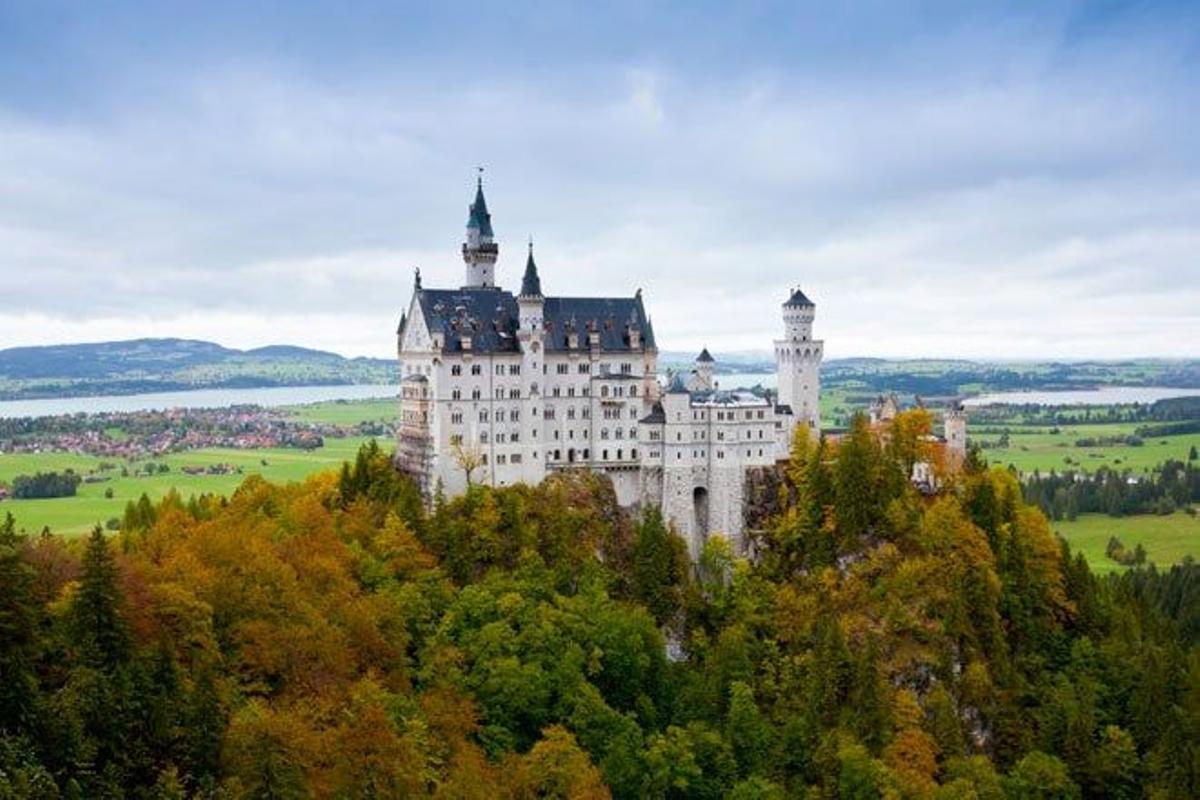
(499, 388)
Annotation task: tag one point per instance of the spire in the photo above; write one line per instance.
(531, 284)
(705, 357)
(417, 278)
(479, 218)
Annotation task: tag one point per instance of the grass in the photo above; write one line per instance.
(347, 412)
(1167, 539)
(1041, 450)
(76, 515)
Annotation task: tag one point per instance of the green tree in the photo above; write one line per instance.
(97, 625)
(18, 633)
(660, 564)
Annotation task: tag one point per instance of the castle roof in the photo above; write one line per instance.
(490, 318)
(677, 386)
(705, 357)
(798, 299)
(656, 415)
(531, 284)
(478, 216)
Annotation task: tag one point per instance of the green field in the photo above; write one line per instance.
(1167, 539)
(78, 514)
(74, 515)
(348, 412)
(1037, 448)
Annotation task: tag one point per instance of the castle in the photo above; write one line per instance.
(499, 388)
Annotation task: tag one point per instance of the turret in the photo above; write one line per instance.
(798, 360)
(480, 250)
(954, 422)
(530, 300)
(702, 372)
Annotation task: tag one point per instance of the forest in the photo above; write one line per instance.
(1172, 485)
(333, 638)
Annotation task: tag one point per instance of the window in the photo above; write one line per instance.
(500, 437)
(499, 415)
(584, 369)
(514, 437)
(499, 393)
(562, 369)
(515, 414)
(605, 454)
(626, 369)
(500, 459)
(499, 369)
(476, 369)
(483, 415)
(556, 392)
(514, 394)
(633, 454)
(619, 433)
(548, 413)
(604, 433)
(514, 369)
(456, 394)
(571, 412)
(603, 370)
(633, 391)
(570, 391)
(476, 394)
(456, 439)
(456, 369)
(633, 433)
(604, 391)
(483, 437)
(456, 418)
(515, 458)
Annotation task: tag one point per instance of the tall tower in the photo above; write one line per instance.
(479, 250)
(955, 425)
(531, 334)
(798, 361)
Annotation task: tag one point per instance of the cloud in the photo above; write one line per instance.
(990, 185)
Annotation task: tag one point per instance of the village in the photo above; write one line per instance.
(145, 434)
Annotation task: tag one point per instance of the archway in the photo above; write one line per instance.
(700, 512)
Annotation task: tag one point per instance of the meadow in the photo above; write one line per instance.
(1167, 539)
(90, 507)
(1038, 449)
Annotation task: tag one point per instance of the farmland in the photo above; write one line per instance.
(1167, 539)
(218, 470)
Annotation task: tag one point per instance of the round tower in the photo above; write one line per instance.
(479, 250)
(954, 423)
(798, 360)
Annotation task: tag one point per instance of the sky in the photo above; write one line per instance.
(971, 180)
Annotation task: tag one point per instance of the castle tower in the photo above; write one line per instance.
(798, 361)
(479, 250)
(531, 334)
(955, 430)
(702, 372)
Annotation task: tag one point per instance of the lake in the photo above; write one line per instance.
(269, 397)
(1103, 396)
(199, 398)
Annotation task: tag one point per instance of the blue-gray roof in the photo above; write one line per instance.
(490, 318)
(531, 284)
(798, 298)
(705, 356)
(478, 216)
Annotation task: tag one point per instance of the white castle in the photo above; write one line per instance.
(499, 388)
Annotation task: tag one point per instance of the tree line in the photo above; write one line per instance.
(1172, 485)
(333, 638)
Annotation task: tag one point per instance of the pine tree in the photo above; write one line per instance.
(18, 633)
(97, 625)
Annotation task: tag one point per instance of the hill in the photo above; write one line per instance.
(149, 365)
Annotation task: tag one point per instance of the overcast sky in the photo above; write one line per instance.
(942, 179)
